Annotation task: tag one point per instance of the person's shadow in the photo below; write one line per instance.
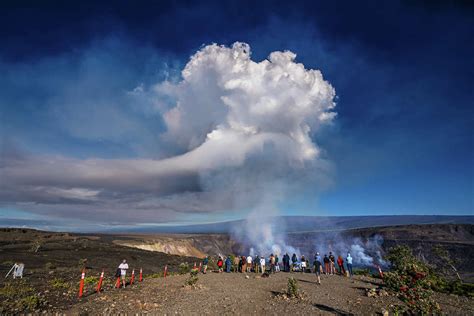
(332, 310)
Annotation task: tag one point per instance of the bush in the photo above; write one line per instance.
(193, 278)
(18, 296)
(154, 275)
(30, 302)
(91, 280)
(410, 280)
(183, 268)
(293, 290)
(58, 283)
(364, 272)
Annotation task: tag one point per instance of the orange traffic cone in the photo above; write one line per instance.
(141, 275)
(117, 283)
(81, 284)
(99, 285)
(133, 277)
(380, 271)
(200, 266)
(166, 269)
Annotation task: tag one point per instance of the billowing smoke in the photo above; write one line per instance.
(239, 137)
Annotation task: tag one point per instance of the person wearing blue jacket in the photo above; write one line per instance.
(228, 264)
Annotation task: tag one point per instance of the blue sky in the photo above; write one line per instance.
(403, 72)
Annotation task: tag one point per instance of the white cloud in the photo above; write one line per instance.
(243, 127)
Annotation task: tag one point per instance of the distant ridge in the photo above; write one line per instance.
(307, 223)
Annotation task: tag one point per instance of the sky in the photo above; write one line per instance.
(129, 113)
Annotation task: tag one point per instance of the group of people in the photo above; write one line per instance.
(328, 264)
(257, 264)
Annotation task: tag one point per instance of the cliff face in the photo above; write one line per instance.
(184, 245)
(457, 240)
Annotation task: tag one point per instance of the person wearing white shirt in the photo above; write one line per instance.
(249, 264)
(262, 264)
(123, 271)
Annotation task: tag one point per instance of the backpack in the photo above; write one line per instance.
(118, 272)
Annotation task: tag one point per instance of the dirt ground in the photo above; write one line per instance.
(234, 293)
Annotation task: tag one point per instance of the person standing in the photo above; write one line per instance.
(220, 263)
(317, 267)
(262, 264)
(294, 260)
(249, 264)
(272, 263)
(349, 264)
(303, 264)
(340, 263)
(236, 263)
(332, 265)
(123, 271)
(326, 264)
(277, 264)
(257, 263)
(228, 264)
(205, 262)
(243, 269)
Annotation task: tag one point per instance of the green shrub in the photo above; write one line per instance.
(30, 302)
(183, 268)
(410, 280)
(18, 296)
(154, 275)
(292, 288)
(58, 283)
(16, 289)
(91, 280)
(358, 271)
(193, 278)
(212, 264)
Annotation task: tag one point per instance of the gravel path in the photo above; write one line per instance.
(229, 294)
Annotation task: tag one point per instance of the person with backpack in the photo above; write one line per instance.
(123, 271)
(326, 264)
(317, 266)
(349, 264)
(340, 263)
(205, 262)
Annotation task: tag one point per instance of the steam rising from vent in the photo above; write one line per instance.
(240, 135)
